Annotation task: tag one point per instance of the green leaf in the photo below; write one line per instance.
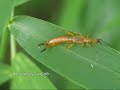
(4, 73)
(27, 75)
(91, 68)
(6, 7)
(19, 2)
(59, 81)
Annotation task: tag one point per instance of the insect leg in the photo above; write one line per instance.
(73, 33)
(70, 33)
(89, 44)
(87, 36)
(69, 46)
(82, 45)
(78, 33)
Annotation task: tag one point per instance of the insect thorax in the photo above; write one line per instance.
(78, 39)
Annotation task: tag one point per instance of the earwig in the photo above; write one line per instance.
(73, 38)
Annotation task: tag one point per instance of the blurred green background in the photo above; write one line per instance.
(99, 18)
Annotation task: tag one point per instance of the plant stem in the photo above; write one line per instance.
(13, 46)
(4, 44)
(12, 43)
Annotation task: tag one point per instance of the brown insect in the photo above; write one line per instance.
(73, 38)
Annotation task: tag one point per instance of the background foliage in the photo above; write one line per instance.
(80, 68)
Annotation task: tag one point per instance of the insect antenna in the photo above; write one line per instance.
(102, 42)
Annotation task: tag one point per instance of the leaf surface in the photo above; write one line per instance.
(5, 73)
(27, 75)
(91, 68)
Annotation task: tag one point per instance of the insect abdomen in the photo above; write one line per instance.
(59, 40)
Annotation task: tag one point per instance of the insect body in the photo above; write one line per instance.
(73, 38)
